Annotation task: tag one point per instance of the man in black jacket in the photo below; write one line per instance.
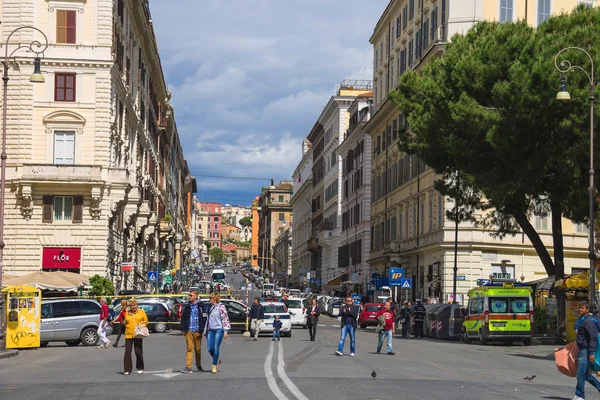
(257, 317)
(587, 340)
(348, 315)
(193, 319)
(419, 313)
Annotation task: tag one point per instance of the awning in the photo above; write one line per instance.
(543, 284)
(337, 280)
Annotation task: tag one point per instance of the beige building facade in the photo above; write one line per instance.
(94, 158)
(409, 227)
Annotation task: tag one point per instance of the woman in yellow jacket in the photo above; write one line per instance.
(134, 317)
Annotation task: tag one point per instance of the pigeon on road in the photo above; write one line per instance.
(529, 378)
(374, 374)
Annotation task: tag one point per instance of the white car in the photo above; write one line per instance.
(273, 308)
(278, 292)
(298, 309)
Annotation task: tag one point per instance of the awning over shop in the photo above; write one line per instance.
(543, 284)
(59, 281)
(337, 280)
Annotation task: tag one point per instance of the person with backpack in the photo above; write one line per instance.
(587, 341)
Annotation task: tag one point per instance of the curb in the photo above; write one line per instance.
(8, 353)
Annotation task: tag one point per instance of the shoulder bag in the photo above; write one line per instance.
(141, 332)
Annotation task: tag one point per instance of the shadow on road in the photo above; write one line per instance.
(535, 356)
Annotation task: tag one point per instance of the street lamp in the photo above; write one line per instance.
(563, 94)
(38, 49)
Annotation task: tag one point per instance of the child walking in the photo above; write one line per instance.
(277, 328)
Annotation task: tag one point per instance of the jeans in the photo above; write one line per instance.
(583, 374)
(382, 336)
(276, 334)
(139, 354)
(214, 343)
(193, 343)
(347, 330)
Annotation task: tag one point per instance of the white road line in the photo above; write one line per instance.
(270, 378)
(281, 371)
(321, 325)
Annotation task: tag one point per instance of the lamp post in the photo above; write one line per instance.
(563, 94)
(38, 49)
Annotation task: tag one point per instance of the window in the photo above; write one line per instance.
(430, 213)
(404, 17)
(434, 24)
(64, 147)
(398, 25)
(281, 217)
(65, 309)
(581, 228)
(65, 26)
(506, 10)
(589, 3)
(281, 199)
(410, 53)
(89, 308)
(540, 222)
(414, 219)
(503, 272)
(440, 210)
(63, 208)
(422, 217)
(64, 87)
(400, 227)
(411, 10)
(543, 10)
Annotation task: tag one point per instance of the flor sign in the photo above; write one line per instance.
(395, 276)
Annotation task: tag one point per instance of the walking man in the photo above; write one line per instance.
(104, 342)
(587, 340)
(348, 314)
(404, 319)
(388, 329)
(193, 319)
(257, 317)
(420, 313)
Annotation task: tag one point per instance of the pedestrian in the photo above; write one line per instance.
(104, 342)
(587, 340)
(217, 326)
(313, 319)
(420, 311)
(134, 317)
(257, 317)
(348, 315)
(193, 319)
(404, 319)
(387, 329)
(277, 325)
(120, 322)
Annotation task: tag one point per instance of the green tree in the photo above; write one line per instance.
(207, 244)
(246, 222)
(487, 108)
(101, 286)
(216, 255)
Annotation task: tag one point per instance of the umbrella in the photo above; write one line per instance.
(44, 281)
(76, 279)
(6, 277)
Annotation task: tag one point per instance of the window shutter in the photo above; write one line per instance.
(77, 209)
(71, 25)
(47, 208)
(61, 26)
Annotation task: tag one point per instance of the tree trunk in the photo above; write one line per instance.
(536, 241)
(559, 271)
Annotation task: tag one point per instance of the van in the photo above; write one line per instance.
(72, 321)
(501, 311)
(218, 275)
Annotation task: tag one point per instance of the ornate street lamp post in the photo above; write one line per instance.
(563, 94)
(38, 49)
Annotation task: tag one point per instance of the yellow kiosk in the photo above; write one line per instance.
(577, 288)
(23, 316)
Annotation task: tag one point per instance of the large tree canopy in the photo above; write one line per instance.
(487, 109)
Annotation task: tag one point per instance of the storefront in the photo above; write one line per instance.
(61, 259)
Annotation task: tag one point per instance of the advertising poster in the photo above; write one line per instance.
(23, 317)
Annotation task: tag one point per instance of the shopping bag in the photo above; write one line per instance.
(566, 359)
(141, 332)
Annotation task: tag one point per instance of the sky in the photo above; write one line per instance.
(249, 79)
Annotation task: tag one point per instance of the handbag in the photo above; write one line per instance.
(141, 332)
(566, 359)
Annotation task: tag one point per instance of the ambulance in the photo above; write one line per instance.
(499, 311)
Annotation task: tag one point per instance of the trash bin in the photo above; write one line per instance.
(430, 322)
(438, 322)
(449, 322)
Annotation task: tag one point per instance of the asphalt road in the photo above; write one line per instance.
(291, 369)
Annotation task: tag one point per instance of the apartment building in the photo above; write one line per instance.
(409, 227)
(355, 238)
(94, 156)
(301, 202)
(210, 213)
(283, 254)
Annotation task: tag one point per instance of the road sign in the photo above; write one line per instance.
(151, 276)
(461, 277)
(169, 279)
(406, 283)
(127, 266)
(395, 276)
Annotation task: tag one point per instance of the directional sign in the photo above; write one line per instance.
(406, 283)
(151, 276)
(395, 276)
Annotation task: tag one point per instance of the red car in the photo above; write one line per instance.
(367, 316)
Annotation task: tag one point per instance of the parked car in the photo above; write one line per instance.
(72, 321)
(298, 309)
(271, 310)
(157, 312)
(367, 316)
(235, 310)
(334, 306)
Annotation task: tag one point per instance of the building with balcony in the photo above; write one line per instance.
(408, 221)
(94, 158)
(283, 256)
(274, 217)
(210, 214)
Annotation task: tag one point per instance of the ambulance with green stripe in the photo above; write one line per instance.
(499, 311)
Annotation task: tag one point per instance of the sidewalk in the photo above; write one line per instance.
(8, 353)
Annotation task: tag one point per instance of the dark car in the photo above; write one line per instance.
(235, 310)
(157, 312)
(367, 316)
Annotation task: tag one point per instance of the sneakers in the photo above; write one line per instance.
(200, 369)
(214, 369)
(186, 370)
(140, 371)
(391, 353)
(255, 339)
(272, 340)
(107, 344)
(351, 354)
(378, 351)
(578, 398)
(125, 373)
(339, 353)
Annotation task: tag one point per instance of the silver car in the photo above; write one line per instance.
(72, 321)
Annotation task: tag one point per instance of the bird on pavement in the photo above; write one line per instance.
(529, 378)
(374, 374)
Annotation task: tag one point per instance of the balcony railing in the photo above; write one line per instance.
(73, 173)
